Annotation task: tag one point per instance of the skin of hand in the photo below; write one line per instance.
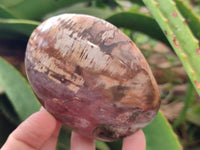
(40, 132)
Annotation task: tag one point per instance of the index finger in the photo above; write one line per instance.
(79, 142)
(135, 141)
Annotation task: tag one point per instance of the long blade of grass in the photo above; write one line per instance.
(193, 115)
(190, 96)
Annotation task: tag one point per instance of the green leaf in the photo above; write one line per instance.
(13, 28)
(4, 13)
(16, 27)
(193, 115)
(160, 136)
(82, 8)
(35, 9)
(18, 91)
(138, 2)
(179, 35)
(139, 22)
(115, 145)
(101, 145)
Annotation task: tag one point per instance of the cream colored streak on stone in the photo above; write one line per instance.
(109, 33)
(50, 64)
(73, 88)
(52, 78)
(73, 49)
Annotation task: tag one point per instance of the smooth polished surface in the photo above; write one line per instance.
(91, 76)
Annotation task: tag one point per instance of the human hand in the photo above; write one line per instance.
(40, 132)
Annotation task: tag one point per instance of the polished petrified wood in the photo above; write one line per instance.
(91, 76)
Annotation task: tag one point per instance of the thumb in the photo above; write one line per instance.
(32, 133)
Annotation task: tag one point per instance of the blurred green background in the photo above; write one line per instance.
(167, 32)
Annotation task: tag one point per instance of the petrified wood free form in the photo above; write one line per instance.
(91, 76)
